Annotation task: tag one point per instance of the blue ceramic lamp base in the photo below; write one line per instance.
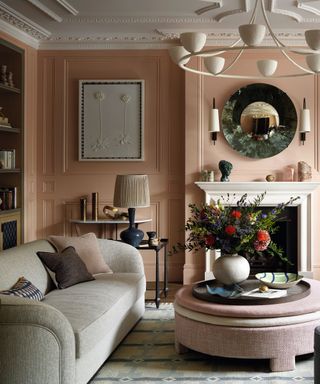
(132, 235)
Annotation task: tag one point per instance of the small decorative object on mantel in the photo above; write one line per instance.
(207, 175)
(236, 228)
(304, 171)
(225, 169)
(270, 178)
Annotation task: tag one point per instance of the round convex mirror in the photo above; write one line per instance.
(259, 121)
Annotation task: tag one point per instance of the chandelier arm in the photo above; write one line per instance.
(233, 61)
(295, 63)
(274, 37)
(198, 72)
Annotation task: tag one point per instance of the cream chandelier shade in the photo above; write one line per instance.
(251, 35)
(131, 191)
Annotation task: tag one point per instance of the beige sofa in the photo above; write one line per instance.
(65, 338)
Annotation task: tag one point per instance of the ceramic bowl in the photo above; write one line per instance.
(279, 280)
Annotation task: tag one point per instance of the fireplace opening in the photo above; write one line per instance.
(286, 237)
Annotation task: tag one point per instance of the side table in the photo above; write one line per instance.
(162, 245)
(104, 223)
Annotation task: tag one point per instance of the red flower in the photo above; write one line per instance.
(236, 214)
(263, 240)
(263, 235)
(230, 229)
(209, 240)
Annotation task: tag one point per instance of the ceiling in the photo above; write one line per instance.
(73, 24)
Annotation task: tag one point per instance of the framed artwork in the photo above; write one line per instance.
(111, 120)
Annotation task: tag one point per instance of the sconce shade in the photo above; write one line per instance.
(305, 125)
(131, 191)
(214, 120)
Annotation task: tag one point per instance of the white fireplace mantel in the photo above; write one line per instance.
(276, 193)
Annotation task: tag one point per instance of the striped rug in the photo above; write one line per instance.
(147, 355)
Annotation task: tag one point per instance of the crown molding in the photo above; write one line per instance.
(137, 20)
(21, 22)
(19, 35)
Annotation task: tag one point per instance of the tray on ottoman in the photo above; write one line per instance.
(297, 292)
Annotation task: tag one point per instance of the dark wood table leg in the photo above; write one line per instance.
(165, 275)
(157, 299)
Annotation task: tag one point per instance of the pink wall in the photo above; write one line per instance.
(62, 179)
(202, 154)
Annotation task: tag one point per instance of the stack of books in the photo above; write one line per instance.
(7, 158)
(8, 198)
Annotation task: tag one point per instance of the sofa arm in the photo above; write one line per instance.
(121, 257)
(37, 343)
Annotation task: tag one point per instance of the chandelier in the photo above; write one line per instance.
(251, 36)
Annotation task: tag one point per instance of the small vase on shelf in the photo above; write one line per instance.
(231, 269)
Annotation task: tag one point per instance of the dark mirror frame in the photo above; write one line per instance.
(245, 143)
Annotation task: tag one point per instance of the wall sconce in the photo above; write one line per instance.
(304, 122)
(214, 126)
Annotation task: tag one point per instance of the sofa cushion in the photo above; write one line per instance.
(23, 261)
(24, 288)
(69, 269)
(87, 248)
(95, 307)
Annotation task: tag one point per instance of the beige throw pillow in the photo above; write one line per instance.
(87, 248)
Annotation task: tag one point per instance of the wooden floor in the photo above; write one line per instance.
(173, 288)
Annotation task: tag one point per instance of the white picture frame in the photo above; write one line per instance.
(111, 120)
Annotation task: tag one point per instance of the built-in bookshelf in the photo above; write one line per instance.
(11, 143)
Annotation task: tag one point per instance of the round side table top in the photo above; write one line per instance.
(308, 304)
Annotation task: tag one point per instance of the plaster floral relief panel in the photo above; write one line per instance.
(111, 120)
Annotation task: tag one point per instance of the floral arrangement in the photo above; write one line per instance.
(240, 228)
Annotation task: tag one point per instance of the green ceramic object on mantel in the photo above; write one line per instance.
(225, 169)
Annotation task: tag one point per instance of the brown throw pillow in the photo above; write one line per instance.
(87, 248)
(69, 269)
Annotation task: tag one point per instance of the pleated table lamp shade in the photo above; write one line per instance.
(131, 191)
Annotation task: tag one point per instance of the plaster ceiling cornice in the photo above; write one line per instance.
(58, 24)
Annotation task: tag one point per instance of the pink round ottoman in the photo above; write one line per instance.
(278, 332)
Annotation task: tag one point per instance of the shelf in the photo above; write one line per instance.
(9, 89)
(9, 211)
(5, 128)
(10, 170)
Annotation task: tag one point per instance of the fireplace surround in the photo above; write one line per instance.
(277, 192)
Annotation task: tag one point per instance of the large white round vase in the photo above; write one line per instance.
(231, 269)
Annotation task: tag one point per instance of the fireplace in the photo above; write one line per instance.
(286, 237)
(295, 235)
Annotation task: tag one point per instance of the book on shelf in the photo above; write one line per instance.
(8, 198)
(7, 158)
